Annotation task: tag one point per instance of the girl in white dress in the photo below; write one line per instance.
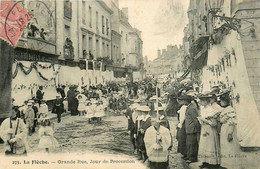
(81, 108)
(47, 140)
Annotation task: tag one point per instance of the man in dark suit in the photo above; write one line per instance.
(131, 125)
(62, 92)
(58, 107)
(192, 128)
(39, 94)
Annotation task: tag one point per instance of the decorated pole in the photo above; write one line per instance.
(157, 101)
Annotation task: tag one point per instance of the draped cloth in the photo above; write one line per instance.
(246, 107)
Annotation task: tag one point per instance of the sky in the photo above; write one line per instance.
(161, 22)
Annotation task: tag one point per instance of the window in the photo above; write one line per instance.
(107, 25)
(103, 25)
(108, 51)
(90, 47)
(67, 9)
(97, 49)
(84, 43)
(104, 49)
(97, 20)
(83, 12)
(90, 16)
(67, 31)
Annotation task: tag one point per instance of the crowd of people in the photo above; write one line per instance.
(207, 128)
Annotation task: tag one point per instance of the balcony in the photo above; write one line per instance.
(68, 9)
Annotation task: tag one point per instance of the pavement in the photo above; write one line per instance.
(110, 136)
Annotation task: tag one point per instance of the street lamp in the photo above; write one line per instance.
(214, 6)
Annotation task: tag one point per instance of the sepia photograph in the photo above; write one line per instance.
(130, 84)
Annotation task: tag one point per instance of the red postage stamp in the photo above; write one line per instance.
(13, 20)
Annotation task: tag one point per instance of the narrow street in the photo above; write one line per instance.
(110, 136)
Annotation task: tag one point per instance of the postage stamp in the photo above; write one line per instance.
(13, 20)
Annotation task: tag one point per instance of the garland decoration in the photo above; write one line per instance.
(44, 66)
(15, 72)
(27, 70)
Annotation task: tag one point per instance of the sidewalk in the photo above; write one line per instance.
(245, 160)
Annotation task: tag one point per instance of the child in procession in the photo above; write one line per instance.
(47, 140)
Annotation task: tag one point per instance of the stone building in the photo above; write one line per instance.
(224, 51)
(169, 61)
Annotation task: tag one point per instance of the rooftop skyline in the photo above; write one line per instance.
(161, 22)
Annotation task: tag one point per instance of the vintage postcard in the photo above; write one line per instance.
(130, 84)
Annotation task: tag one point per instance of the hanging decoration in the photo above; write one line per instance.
(44, 66)
(27, 70)
(223, 63)
(15, 72)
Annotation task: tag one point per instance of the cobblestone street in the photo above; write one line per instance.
(110, 136)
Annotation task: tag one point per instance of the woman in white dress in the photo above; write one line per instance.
(209, 148)
(230, 147)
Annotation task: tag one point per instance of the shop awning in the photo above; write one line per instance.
(199, 53)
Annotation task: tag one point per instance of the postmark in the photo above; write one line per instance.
(13, 20)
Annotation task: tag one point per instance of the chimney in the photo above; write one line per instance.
(125, 11)
(158, 53)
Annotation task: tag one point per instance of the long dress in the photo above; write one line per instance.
(181, 133)
(81, 99)
(209, 148)
(47, 139)
(99, 111)
(229, 150)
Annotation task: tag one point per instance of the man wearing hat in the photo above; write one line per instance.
(157, 141)
(163, 118)
(143, 123)
(192, 129)
(35, 109)
(39, 94)
(62, 92)
(29, 117)
(58, 107)
(23, 109)
(181, 133)
(70, 95)
(13, 131)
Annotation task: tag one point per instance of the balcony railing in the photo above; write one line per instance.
(68, 9)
